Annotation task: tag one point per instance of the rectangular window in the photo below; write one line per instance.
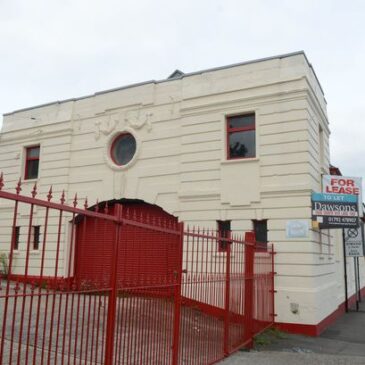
(36, 237)
(17, 238)
(260, 228)
(224, 230)
(31, 162)
(241, 136)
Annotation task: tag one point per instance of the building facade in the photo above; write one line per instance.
(240, 147)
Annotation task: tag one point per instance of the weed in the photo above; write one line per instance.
(4, 264)
(269, 336)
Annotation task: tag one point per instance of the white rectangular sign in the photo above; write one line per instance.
(297, 229)
(354, 241)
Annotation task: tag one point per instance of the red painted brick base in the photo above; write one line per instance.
(317, 329)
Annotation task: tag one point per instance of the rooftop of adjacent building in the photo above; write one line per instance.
(177, 74)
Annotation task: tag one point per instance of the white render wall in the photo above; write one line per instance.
(181, 163)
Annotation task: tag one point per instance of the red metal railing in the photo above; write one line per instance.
(157, 294)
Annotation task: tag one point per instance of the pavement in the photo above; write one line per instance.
(343, 343)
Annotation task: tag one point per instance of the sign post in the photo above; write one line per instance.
(353, 244)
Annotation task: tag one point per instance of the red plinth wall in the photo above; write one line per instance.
(317, 329)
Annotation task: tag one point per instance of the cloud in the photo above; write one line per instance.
(52, 50)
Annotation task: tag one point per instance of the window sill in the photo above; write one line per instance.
(30, 181)
(34, 252)
(239, 160)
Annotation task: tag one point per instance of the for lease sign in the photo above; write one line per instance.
(332, 184)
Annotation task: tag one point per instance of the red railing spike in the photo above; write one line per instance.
(75, 200)
(34, 191)
(1, 180)
(49, 195)
(86, 204)
(62, 200)
(18, 188)
(97, 206)
(106, 208)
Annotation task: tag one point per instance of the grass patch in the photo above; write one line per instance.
(268, 337)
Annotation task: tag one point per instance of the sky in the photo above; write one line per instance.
(52, 50)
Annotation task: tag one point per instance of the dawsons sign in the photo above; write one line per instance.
(335, 210)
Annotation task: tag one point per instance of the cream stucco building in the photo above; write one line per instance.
(183, 158)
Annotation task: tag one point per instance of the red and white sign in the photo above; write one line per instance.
(333, 184)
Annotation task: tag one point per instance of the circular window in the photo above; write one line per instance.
(123, 149)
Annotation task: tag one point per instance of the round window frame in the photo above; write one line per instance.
(108, 150)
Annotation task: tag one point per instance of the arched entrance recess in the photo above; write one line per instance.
(144, 253)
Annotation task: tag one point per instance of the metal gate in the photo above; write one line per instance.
(216, 294)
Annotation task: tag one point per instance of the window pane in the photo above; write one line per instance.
(33, 152)
(124, 149)
(32, 169)
(17, 236)
(224, 228)
(260, 228)
(241, 121)
(36, 235)
(242, 144)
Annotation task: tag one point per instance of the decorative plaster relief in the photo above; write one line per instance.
(138, 119)
(105, 128)
(175, 107)
(135, 119)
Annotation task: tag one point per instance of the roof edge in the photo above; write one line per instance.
(285, 55)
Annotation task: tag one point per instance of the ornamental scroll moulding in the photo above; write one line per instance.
(135, 119)
(138, 119)
(106, 127)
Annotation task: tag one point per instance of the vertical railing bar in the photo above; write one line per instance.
(7, 289)
(25, 283)
(55, 280)
(16, 290)
(45, 323)
(93, 329)
(77, 325)
(142, 347)
(30, 321)
(82, 330)
(177, 298)
(113, 295)
(59, 311)
(227, 299)
(120, 330)
(273, 282)
(84, 299)
(68, 286)
(71, 321)
(87, 329)
(98, 329)
(249, 287)
(40, 284)
(117, 332)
